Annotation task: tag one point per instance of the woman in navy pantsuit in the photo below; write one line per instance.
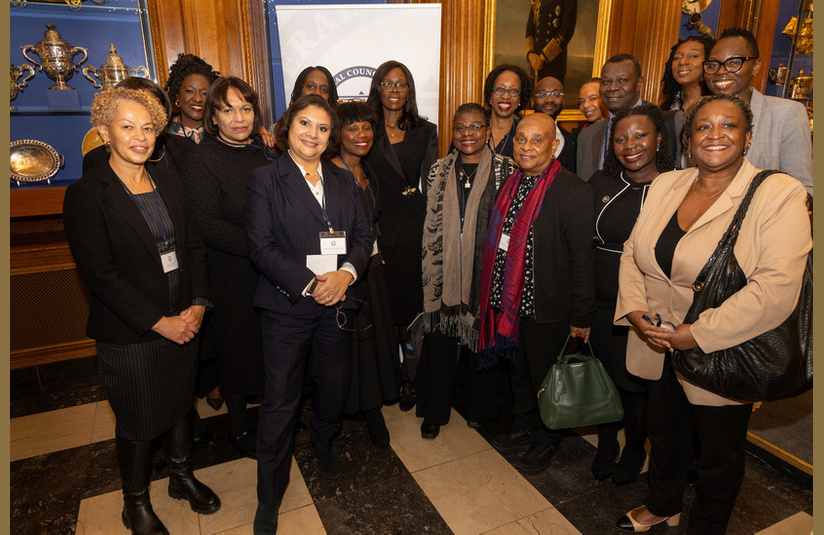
(309, 238)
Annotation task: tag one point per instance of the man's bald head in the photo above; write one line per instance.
(548, 96)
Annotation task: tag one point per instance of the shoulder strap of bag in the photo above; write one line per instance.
(729, 238)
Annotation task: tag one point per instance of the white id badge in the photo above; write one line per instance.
(504, 243)
(322, 263)
(169, 261)
(333, 243)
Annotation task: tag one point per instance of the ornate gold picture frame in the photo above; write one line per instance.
(505, 42)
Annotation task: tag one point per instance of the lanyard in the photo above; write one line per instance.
(368, 189)
(323, 205)
(157, 219)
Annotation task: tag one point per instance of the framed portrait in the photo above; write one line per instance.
(570, 39)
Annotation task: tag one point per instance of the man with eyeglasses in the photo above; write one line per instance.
(548, 98)
(780, 127)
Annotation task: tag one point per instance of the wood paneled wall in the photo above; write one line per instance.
(216, 30)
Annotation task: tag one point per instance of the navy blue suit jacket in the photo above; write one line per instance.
(283, 225)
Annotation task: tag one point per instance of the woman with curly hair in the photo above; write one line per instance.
(507, 90)
(145, 266)
(188, 86)
(406, 146)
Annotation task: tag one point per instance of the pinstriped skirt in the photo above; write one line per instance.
(150, 385)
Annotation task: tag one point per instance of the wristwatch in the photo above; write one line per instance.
(312, 286)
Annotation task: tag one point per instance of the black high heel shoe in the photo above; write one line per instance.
(628, 467)
(628, 522)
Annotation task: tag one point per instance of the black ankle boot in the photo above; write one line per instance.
(182, 483)
(608, 449)
(375, 424)
(135, 462)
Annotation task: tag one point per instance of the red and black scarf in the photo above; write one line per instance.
(499, 326)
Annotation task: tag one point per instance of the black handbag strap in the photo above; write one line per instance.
(729, 238)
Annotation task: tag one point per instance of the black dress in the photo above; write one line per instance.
(375, 365)
(618, 201)
(214, 179)
(401, 168)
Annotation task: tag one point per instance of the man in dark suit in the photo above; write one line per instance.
(621, 82)
(557, 286)
(548, 98)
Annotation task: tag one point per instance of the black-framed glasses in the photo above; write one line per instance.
(500, 91)
(473, 128)
(553, 94)
(731, 65)
(400, 86)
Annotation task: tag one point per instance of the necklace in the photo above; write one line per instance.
(704, 198)
(468, 177)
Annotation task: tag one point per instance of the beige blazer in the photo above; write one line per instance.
(772, 250)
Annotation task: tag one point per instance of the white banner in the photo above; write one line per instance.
(353, 40)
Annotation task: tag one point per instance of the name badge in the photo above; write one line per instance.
(504, 243)
(169, 261)
(333, 243)
(322, 263)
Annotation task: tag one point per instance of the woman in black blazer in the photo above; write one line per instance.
(145, 268)
(406, 146)
(309, 238)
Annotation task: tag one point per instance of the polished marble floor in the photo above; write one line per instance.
(64, 480)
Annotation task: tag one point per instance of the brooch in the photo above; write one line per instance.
(408, 191)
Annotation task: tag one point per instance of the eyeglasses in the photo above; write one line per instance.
(731, 65)
(341, 319)
(400, 86)
(553, 94)
(513, 91)
(473, 128)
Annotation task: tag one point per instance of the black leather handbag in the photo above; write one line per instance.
(775, 365)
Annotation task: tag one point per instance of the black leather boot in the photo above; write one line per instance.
(182, 483)
(135, 462)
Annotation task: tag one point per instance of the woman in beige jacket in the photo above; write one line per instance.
(684, 217)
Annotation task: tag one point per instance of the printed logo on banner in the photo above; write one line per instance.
(353, 90)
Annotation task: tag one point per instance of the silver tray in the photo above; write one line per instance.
(33, 161)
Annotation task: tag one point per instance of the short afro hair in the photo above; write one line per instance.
(689, 115)
(663, 160)
(618, 58)
(745, 34)
(185, 65)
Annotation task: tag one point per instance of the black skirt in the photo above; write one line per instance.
(376, 369)
(150, 385)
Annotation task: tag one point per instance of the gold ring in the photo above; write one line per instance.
(328, 299)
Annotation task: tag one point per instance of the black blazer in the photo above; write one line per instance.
(283, 222)
(569, 153)
(402, 217)
(564, 275)
(117, 256)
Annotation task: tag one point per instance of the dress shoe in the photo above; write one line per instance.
(245, 444)
(628, 467)
(409, 396)
(474, 424)
(329, 463)
(513, 440)
(204, 438)
(629, 523)
(376, 426)
(537, 458)
(300, 426)
(430, 431)
(266, 519)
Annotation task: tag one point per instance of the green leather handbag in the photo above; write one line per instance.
(578, 392)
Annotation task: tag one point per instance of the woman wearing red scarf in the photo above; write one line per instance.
(537, 282)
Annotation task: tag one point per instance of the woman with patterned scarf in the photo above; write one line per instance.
(461, 192)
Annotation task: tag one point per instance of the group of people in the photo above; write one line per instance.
(335, 257)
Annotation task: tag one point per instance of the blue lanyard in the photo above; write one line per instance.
(368, 188)
(158, 220)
